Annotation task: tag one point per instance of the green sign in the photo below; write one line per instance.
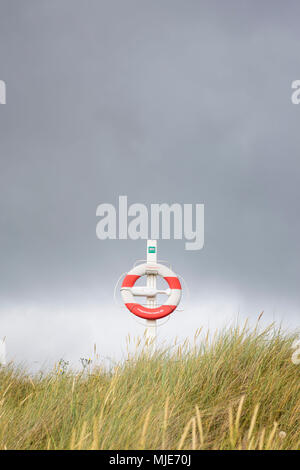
(151, 249)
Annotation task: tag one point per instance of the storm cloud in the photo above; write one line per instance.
(165, 102)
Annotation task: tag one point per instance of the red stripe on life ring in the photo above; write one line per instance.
(173, 282)
(150, 313)
(130, 280)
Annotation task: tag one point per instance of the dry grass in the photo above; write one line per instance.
(239, 390)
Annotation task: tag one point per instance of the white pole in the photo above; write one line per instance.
(151, 301)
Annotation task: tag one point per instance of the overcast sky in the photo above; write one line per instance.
(173, 101)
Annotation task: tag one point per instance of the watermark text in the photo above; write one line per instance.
(296, 94)
(2, 92)
(177, 221)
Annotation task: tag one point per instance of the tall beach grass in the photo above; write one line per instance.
(236, 390)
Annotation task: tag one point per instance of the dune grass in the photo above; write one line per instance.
(237, 390)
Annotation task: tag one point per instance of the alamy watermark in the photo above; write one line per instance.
(296, 94)
(296, 353)
(177, 221)
(2, 92)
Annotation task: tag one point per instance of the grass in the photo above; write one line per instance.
(237, 390)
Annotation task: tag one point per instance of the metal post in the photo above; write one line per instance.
(151, 301)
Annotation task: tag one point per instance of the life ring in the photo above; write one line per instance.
(128, 291)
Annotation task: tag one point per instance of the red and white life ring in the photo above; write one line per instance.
(174, 294)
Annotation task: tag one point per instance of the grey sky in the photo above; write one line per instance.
(174, 101)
